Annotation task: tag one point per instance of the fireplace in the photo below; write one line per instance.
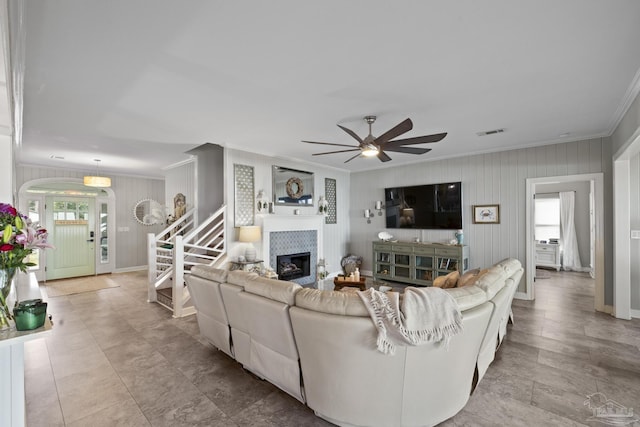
(293, 266)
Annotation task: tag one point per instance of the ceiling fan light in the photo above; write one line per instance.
(370, 151)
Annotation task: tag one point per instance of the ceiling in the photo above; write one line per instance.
(138, 83)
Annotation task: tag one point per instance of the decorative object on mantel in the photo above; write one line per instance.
(486, 214)
(249, 234)
(243, 195)
(368, 214)
(97, 180)
(262, 202)
(323, 206)
(20, 238)
(460, 236)
(330, 195)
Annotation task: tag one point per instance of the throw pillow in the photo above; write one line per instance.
(468, 278)
(451, 280)
(439, 281)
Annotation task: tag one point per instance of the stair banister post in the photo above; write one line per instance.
(178, 276)
(152, 267)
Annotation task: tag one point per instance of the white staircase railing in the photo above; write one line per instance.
(175, 250)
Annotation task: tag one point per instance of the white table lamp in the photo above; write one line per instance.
(250, 234)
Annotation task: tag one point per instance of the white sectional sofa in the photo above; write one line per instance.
(320, 346)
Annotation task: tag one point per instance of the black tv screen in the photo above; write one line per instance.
(430, 206)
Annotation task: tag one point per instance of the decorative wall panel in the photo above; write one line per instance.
(330, 195)
(243, 195)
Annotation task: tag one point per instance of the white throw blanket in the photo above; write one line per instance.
(427, 315)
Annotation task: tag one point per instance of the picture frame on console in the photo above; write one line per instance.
(486, 214)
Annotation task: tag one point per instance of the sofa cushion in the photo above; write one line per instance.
(468, 297)
(509, 265)
(493, 281)
(278, 290)
(332, 302)
(468, 278)
(207, 272)
(240, 278)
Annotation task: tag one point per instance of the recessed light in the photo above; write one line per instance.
(53, 156)
(564, 135)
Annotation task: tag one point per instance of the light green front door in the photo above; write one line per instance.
(70, 222)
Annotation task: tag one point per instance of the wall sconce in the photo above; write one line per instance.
(379, 207)
(368, 214)
(323, 206)
(262, 203)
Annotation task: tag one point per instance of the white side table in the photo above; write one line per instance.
(12, 398)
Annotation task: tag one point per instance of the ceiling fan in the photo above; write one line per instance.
(371, 146)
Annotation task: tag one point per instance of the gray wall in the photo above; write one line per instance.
(130, 245)
(582, 217)
(627, 127)
(486, 179)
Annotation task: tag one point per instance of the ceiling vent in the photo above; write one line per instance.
(490, 132)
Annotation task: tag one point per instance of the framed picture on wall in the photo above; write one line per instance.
(486, 214)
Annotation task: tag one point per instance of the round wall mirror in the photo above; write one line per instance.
(149, 212)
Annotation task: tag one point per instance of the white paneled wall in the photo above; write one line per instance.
(131, 237)
(486, 179)
(335, 235)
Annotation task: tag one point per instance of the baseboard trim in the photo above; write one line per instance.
(130, 269)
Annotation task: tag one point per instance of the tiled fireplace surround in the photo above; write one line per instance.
(287, 234)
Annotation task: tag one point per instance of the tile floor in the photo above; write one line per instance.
(112, 359)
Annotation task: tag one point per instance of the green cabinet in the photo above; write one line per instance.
(417, 263)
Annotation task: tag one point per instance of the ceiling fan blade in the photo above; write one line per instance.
(334, 152)
(352, 133)
(330, 143)
(395, 131)
(383, 156)
(417, 140)
(408, 150)
(351, 158)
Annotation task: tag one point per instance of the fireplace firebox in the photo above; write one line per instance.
(293, 266)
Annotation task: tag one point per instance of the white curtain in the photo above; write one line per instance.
(570, 255)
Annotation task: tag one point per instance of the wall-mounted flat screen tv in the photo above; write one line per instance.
(430, 206)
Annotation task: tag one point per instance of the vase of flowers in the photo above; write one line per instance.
(19, 237)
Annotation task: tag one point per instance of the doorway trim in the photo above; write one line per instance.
(111, 211)
(597, 186)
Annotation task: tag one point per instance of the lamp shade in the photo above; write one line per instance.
(250, 233)
(97, 181)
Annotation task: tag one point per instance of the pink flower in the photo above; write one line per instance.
(32, 238)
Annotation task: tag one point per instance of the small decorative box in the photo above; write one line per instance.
(29, 314)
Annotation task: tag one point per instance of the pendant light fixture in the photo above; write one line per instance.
(97, 180)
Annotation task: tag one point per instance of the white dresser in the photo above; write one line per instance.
(548, 255)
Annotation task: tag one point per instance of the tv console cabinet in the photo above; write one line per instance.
(417, 263)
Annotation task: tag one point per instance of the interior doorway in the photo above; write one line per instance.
(595, 224)
(81, 224)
